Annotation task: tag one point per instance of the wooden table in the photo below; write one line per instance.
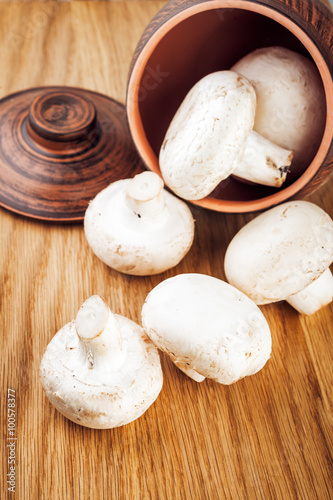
(268, 436)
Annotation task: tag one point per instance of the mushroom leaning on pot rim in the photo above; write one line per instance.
(284, 254)
(207, 327)
(291, 107)
(211, 137)
(137, 227)
(101, 370)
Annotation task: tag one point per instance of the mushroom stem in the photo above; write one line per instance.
(263, 162)
(99, 334)
(315, 296)
(189, 371)
(144, 195)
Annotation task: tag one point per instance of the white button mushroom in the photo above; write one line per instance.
(207, 327)
(290, 101)
(211, 136)
(138, 228)
(284, 254)
(101, 370)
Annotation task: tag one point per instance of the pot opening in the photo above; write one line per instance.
(208, 41)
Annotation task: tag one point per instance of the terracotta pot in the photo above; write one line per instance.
(190, 39)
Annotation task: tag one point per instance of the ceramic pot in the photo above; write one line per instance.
(190, 39)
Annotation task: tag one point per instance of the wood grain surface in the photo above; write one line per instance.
(267, 436)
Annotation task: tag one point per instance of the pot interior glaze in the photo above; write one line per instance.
(198, 41)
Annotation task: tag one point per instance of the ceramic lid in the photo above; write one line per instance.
(60, 146)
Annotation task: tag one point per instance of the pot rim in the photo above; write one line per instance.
(138, 133)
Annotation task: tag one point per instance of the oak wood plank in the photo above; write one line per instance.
(268, 436)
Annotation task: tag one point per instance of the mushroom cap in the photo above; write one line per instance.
(99, 399)
(134, 244)
(291, 110)
(280, 252)
(209, 325)
(208, 134)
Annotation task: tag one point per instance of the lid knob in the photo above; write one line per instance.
(61, 116)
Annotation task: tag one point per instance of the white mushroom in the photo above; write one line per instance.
(136, 227)
(284, 254)
(207, 327)
(101, 370)
(210, 137)
(291, 108)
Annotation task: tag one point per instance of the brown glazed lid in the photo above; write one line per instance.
(60, 146)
